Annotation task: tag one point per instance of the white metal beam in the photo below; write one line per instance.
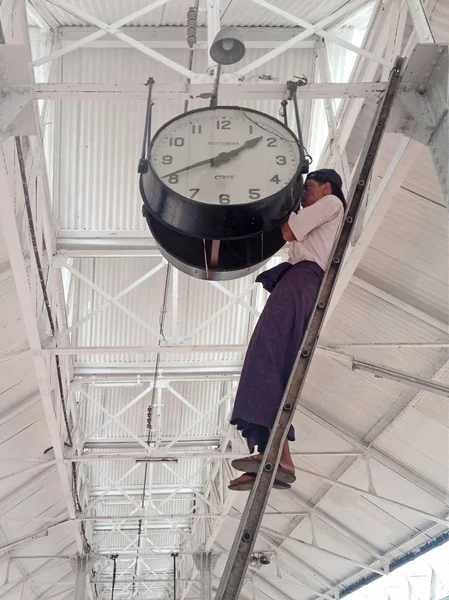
(390, 345)
(143, 367)
(176, 37)
(420, 21)
(120, 444)
(346, 360)
(312, 29)
(81, 573)
(229, 90)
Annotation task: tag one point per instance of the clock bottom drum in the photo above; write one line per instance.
(206, 259)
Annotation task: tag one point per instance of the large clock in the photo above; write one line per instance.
(218, 186)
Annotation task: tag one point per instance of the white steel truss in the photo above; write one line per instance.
(202, 494)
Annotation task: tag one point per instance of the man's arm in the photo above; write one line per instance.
(287, 232)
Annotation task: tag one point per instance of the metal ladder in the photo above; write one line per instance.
(240, 554)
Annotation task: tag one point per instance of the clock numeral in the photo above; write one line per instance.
(197, 128)
(224, 199)
(177, 141)
(225, 124)
(194, 192)
(275, 179)
(281, 160)
(250, 128)
(254, 194)
(173, 179)
(271, 142)
(167, 159)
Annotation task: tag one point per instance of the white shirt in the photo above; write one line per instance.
(315, 229)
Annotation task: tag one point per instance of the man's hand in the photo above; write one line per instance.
(287, 233)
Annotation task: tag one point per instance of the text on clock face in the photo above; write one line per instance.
(225, 157)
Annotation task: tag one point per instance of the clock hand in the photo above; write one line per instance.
(198, 164)
(218, 160)
(225, 157)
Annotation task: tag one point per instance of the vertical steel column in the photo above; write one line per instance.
(80, 577)
(204, 562)
(240, 554)
(213, 25)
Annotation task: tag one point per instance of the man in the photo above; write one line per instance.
(275, 342)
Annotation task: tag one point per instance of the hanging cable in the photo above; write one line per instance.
(114, 573)
(293, 86)
(214, 98)
(162, 315)
(52, 325)
(192, 16)
(143, 162)
(174, 555)
(40, 272)
(283, 112)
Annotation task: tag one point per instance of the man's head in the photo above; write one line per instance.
(318, 184)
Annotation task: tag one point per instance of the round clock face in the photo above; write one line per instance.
(225, 156)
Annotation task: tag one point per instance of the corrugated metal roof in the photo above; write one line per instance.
(438, 20)
(31, 499)
(174, 13)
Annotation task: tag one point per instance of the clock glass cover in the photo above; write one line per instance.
(225, 156)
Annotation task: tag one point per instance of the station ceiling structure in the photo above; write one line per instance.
(117, 372)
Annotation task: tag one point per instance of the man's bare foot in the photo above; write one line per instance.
(286, 461)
